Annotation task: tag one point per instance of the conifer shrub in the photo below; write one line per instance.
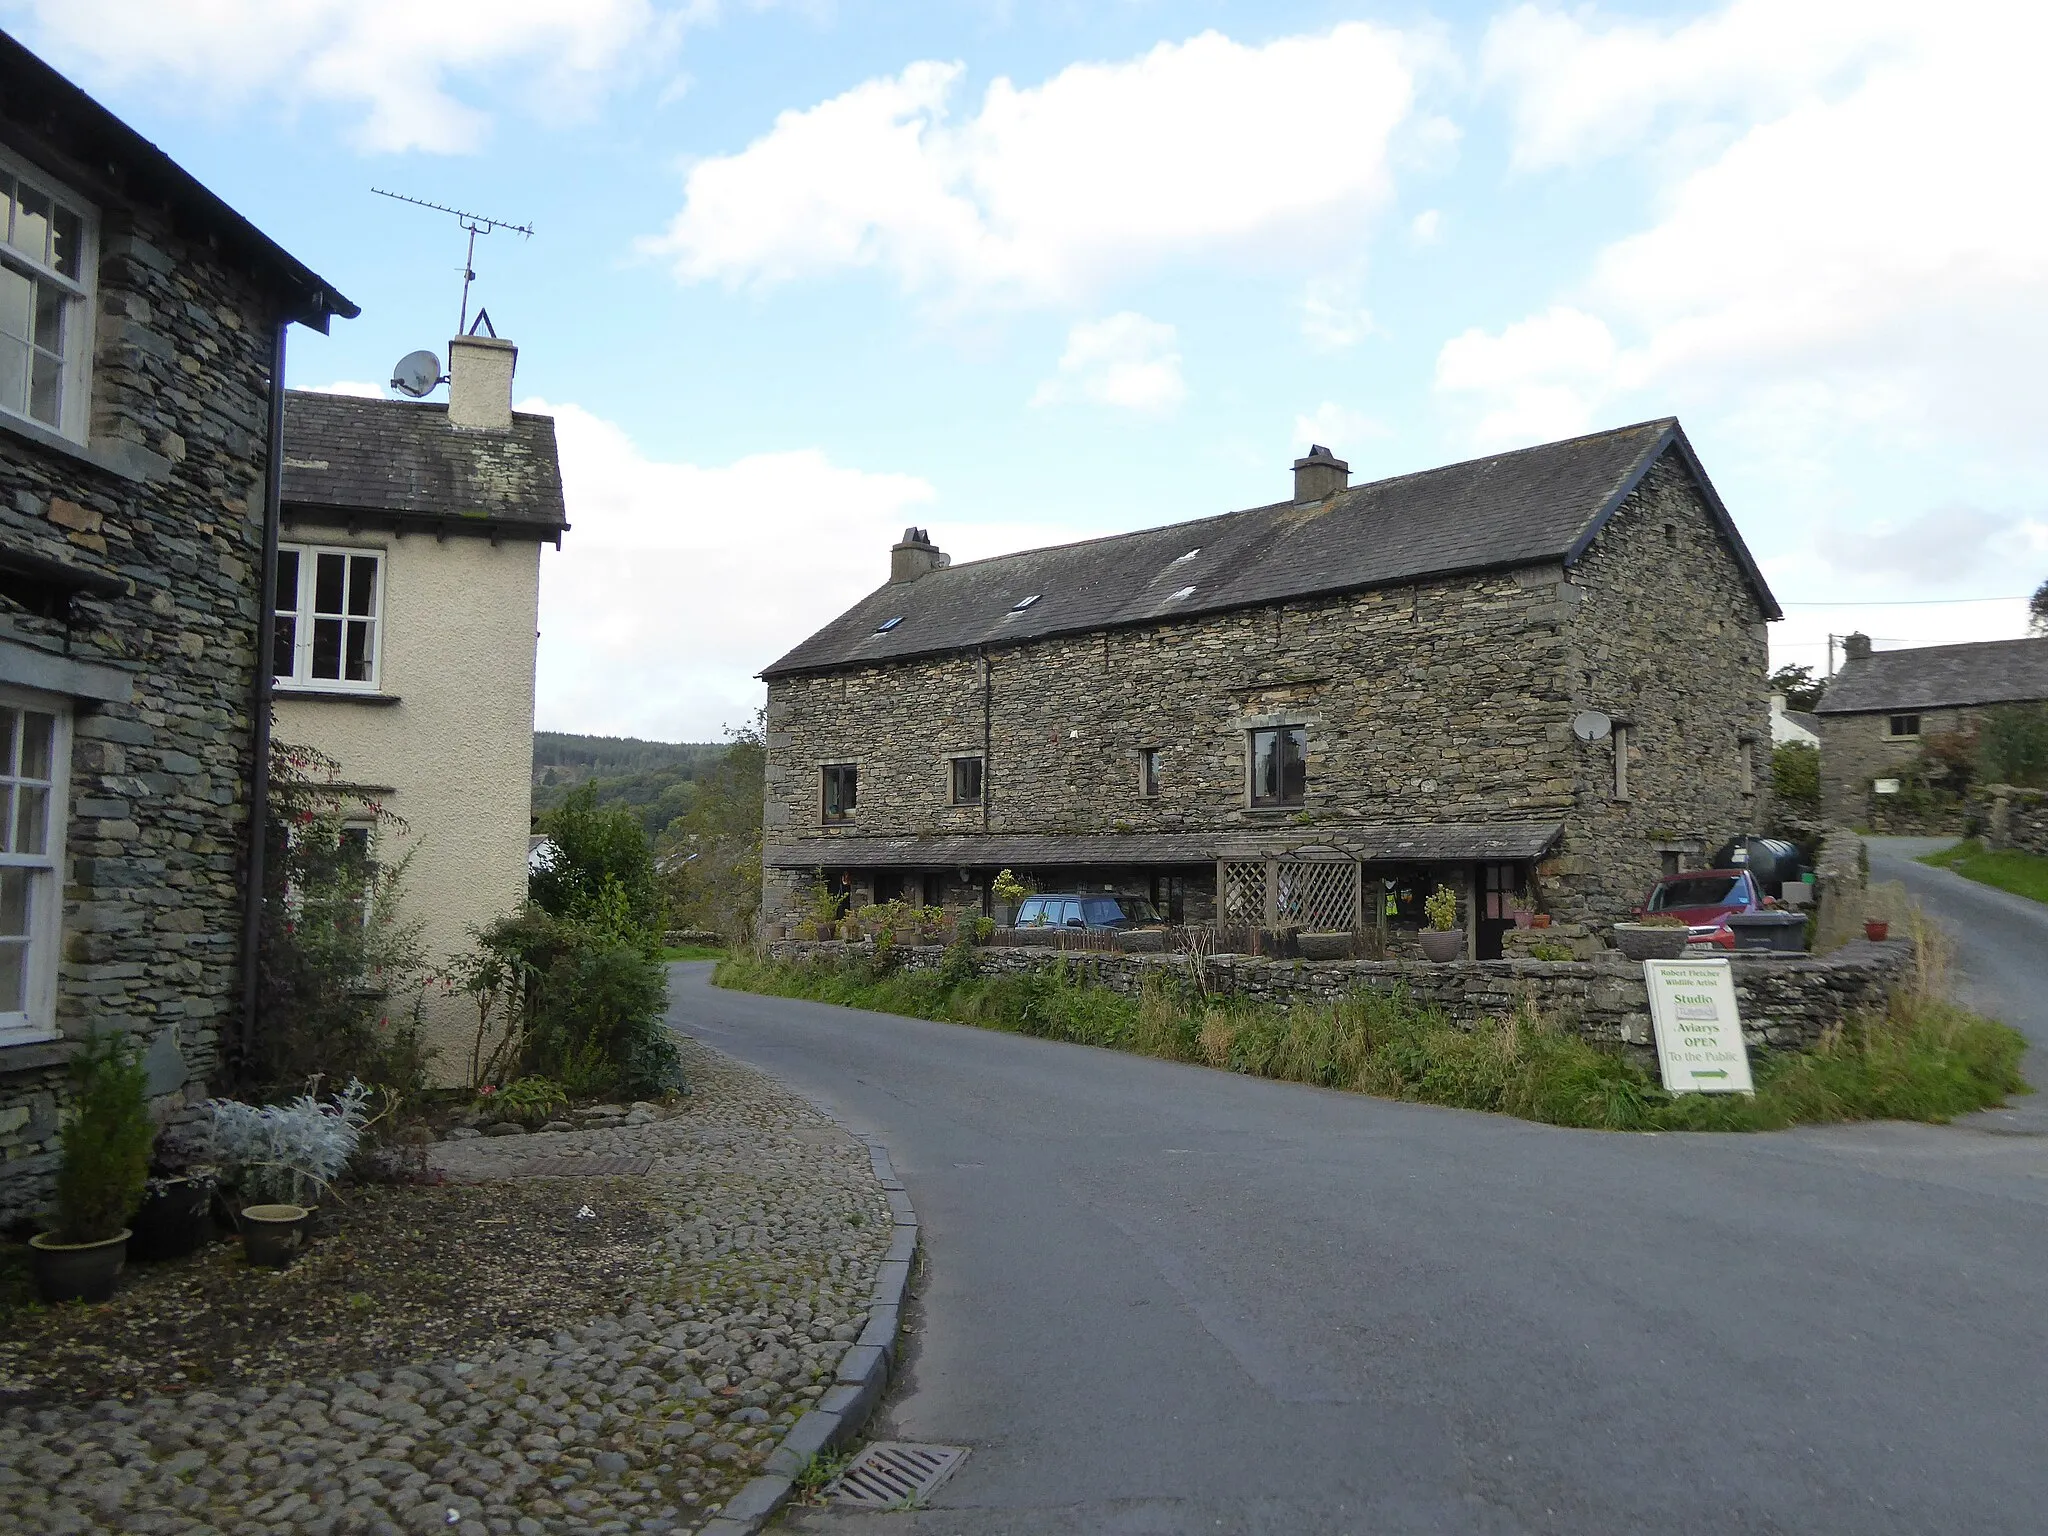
(107, 1142)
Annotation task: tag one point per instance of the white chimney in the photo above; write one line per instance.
(480, 383)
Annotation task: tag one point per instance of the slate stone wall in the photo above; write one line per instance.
(1854, 751)
(1787, 1002)
(172, 505)
(2017, 819)
(1437, 702)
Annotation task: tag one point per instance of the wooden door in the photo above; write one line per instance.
(1499, 886)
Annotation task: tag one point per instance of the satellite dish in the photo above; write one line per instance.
(416, 374)
(1591, 725)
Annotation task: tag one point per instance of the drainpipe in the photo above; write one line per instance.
(988, 688)
(259, 765)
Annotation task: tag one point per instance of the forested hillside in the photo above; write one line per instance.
(656, 779)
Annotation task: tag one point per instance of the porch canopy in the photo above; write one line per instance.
(1445, 843)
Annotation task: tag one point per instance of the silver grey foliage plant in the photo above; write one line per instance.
(278, 1152)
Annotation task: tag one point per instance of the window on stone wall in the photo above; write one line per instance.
(1620, 737)
(35, 758)
(842, 791)
(1902, 725)
(1280, 766)
(967, 781)
(46, 272)
(329, 612)
(1148, 772)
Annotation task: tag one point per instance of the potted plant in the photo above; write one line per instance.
(1656, 937)
(277, 1155)
(102, 1174)
(176, 1216)
(1443, 940)
(1539, 919)
(1009, 893)
(1876, 929)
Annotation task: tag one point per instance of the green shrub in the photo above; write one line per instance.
(1549, 949)
(106, 1143)
(598, 864)
(1795, 774)
(529, 1100)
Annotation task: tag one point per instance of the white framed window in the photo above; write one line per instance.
(47, 261)
(330, 603)
(35, 770)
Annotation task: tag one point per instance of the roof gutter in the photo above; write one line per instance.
(260, 708)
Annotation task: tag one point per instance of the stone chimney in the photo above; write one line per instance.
(480, 383)
(1855, 647)
(1321, 474)
(913, 555)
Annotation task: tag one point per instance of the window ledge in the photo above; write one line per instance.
(113, 456)
(334, 695)
(23, 1052)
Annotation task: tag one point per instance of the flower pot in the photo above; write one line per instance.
(1524, 919)
(1877, 930)
(1325, 946)
(273, 1234)
(1442, 945)
(176, 1219)
(1650, 941)
(77, 1271)
(1539, 919)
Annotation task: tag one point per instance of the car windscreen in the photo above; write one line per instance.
(1697, 891)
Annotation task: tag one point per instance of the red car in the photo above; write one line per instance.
(1705, 899)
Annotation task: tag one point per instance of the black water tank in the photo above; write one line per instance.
(1771, 860)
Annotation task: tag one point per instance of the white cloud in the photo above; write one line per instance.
(1849, 242)
(1046, 190)
(1338, 428)
(1426, 226)
(1124, 360)
(1333, 315)
(396, 61)
(676, 583)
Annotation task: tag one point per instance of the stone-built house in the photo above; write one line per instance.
(142, 325)
(407, 612)
(1882, 710)
(1311, 712)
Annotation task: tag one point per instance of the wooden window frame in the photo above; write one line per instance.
(1280, 801)
(1148, 773)
(846, 773)
(78, 310)
(36, 1019)
(305, 617)
(954, 765)
(1891, 731)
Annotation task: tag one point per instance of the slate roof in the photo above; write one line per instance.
(1385, 844)
(1510, 509)
(1935, 676)
(399, 458)
(75, 125)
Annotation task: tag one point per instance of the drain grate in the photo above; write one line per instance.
(892, 1473)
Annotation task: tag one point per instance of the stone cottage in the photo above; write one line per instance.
(1536, 677)
(1883, 710)
(142, 326)
(408, 606)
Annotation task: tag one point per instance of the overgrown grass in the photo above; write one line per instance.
(1922, 1059)
(692, 952)
(2024, 874)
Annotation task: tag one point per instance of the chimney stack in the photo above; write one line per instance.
(1319, 475)
(1855, 647)
(913, 555)
(480, 383)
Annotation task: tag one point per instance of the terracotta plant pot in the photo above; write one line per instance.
(1443, 945)
(273, 1234)
(77, 1271)
(1539, 919)
(1640, 941)
(1877, 930)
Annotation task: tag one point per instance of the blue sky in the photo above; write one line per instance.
(806, 273)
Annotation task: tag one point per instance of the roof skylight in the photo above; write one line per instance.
(1025, 602)
(888, 624)
(1188, 556)
(1183, 593)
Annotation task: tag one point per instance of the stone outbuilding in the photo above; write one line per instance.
(1537, 677)
(1883, 710)
(142, 326)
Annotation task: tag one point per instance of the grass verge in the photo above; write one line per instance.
(692, 952)
(2024, 874)
(1924, 1058)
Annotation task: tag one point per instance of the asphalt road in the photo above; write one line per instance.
(1165, 1299)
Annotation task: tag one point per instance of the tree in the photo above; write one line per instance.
(710, 856)
(1795, 775)
(2037, 610)
(1800, 687)
(596, 857)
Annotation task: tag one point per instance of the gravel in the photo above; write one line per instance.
(640, 1418)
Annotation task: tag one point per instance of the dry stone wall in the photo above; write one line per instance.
(173, 508)
(2017, 819)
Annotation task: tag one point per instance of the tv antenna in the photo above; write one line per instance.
(476, 224)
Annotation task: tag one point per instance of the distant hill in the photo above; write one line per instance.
(656, 778)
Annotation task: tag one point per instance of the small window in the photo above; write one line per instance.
(1188, 556)
(1620, 737)
(1280, 766)
(1182, 595)
(1902, 725)
(842, 791)
(1148, 772)
(1025, 602)
(967, 781)
(888, 624)
(35, 768)
(46, 273)
(329, 611)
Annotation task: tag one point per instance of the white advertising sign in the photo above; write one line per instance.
(1699, 1035)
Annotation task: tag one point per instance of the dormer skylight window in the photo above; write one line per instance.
(1025, 602)
(1182, 595)
(888, 624)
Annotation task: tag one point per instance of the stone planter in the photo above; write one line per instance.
(1641, 941)
(273, 1234)
(1326, 946)
(1443, 945)
(77, 1271)
(1141, 941)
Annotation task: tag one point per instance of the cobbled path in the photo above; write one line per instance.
(640, 1421)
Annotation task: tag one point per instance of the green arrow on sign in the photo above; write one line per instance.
(1717, 1072)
